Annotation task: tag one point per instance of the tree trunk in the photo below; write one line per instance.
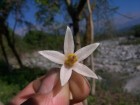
(11, 45)
(75, 14)
(3, 51)
(5, 32)
(76, 34)
(90, 39)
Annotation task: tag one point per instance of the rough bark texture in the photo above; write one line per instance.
(5, 32)
(3, 50)
(12, 47)
(75, 16)
(89, 38)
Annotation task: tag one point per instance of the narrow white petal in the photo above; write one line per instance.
(68, 42)
(84, 70)
(86, 51)
(54, 56)
(65, 75)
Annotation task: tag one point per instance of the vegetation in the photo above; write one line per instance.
(40, 40)
(12, 82)
(134, 41)
(133, 35)
(108, 91)
(131, 31)
(136, 29)
(36, 40)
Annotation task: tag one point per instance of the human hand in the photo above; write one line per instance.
(47, 90)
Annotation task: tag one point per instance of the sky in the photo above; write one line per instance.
(126, 7)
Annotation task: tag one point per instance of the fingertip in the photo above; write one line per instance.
(62, 96)
(46, 83)
(79, 87)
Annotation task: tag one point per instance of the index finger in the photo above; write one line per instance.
(32, 88)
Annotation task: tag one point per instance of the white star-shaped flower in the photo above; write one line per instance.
(71, 61)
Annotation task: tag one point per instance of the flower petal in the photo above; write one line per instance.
(54, 56)
(65, 75)
(68, 42)
(86, 51)
(84, 70)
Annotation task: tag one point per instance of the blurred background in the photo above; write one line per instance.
(27, 26)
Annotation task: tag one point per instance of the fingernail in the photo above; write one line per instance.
(48, 83)
(62, 96)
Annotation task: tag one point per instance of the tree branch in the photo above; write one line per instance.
(70, 8)
(80, 7)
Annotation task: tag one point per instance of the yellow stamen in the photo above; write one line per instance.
(70, 60)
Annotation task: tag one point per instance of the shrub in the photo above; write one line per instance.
(136, 29)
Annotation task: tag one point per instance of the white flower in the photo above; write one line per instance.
(70, 60)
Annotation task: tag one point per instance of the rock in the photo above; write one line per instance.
(133, 85)
(138, 67)
(36, 60)
(112, 56)
(115, 57)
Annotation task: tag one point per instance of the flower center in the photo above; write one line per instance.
(70, 60)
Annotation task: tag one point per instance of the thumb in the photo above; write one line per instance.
(50, 92)
(61, 98)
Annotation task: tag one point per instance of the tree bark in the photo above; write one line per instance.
(5, 32)
(3, 51)
(75, 14)
(76, 34)
(11, 45)
(90, 39)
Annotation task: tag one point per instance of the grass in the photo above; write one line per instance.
(23, 46)
(109, 98)
(12, 82)
(7, 91)
(108, 91)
